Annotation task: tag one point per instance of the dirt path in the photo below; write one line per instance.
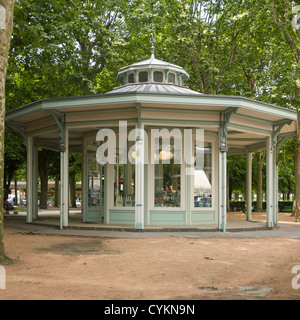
(61, 267)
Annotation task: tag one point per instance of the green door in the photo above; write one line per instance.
(95, 190)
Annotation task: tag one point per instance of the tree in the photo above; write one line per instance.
(283, 16)
(54, 173)
(206, 37)
(286, 178)
(237, 177)
(48, 165)
(74, 169)
(15, 156)
(6, 28)
(62, 48)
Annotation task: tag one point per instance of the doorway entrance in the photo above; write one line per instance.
(95, 191)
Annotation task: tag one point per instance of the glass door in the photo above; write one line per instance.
(95, 190)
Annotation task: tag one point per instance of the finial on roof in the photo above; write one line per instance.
(152, 41)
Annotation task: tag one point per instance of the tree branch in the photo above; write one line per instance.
(282, 25)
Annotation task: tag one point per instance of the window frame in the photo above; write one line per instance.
(214, 192)
(151, 182)
(163, 77)
(171, 72)
(146, 71)
(129, 74)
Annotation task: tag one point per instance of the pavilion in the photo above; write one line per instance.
(175, 180)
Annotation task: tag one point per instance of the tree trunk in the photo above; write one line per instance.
(296, 205)
(259, 207)
(16, 191)
(56, 191)
(6, 27)
(73, 189)
(44, 183)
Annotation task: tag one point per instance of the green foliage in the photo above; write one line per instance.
(15, 155)
(71, 48)
(237, 178)
(60, 47)
(63, 48)
(286, 176)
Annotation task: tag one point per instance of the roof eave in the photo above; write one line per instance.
(197, 98)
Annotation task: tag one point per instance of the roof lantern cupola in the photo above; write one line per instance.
(152, 71)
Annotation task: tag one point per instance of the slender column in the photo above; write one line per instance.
(139, 184)
(274, 144)
(146, 192)
(275, 166)
(249, 186)
(108, 194)
(64, 179)
(84, 179)
(29, 180)
(35, 180)
(224, 122)
(139, 174)
(188, 145)
(188, 185)
(270, 183)
(222, 190)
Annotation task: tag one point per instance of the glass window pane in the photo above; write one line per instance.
(131, 78)
(95, 184)
(167, 179)
(124, 187)
(171, 78)
(158, 76)
(143, 76)
(203, 177)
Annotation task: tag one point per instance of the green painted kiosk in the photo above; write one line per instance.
(154, 152)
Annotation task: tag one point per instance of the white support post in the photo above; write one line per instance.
(84, 179)
(249, 186)
(139, 183)
(270, 183)
(188, 145)
(29, 180)
(108, 185)
(222, 190)
(139, 173)
(64, 182)
(35, 181)
(224, 122)
(275, 166)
